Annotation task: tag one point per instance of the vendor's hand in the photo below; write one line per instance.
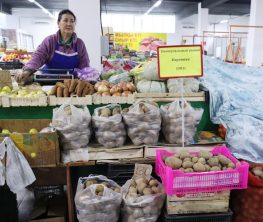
(23, 78)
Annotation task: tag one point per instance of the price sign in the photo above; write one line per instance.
(180, 61)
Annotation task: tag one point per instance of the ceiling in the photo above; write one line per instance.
(181, 8)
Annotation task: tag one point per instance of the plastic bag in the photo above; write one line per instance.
(172, 122)
(145, 208)
(73, 126)
(147, 86)
(122, 77)
(143, 122)
(109, 131)
(88, 74)
(18, 174)
(91, 207)
(190, 85)
(25, 204)
(151, 71)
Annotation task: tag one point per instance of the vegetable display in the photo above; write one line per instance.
(108, 126)
(143, 121)
(72, 87)
(97, 199)
(204, 161)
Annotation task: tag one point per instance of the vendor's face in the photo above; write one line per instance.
(67, 24)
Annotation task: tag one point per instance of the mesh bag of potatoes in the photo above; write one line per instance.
(97, 199)
(172, 122)
(143, 120)
(73, 126)
(142, 200)
(108, 126)
(203, 161)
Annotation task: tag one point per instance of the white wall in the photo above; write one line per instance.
(30, 21)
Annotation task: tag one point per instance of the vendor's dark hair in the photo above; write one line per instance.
(65, 11)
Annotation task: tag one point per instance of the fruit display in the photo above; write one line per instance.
(143, 200)
(204, 161)
(97, 199)
(72, 87)
(172, 122)
(23, 57)
(31, 131)
(21, 92)
(108, 126)
(143, 121)
(104, 88)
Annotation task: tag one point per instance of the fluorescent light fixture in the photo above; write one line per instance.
(223, 21)
(42, 7)
(155, 5)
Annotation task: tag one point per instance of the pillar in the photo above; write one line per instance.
(254, 50)
(202, 19)
(88, 27)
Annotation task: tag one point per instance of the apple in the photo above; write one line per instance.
(6, 131)
(33, 131)
(6, 89)
(33, 155)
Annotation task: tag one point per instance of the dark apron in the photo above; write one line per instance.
(62, 60)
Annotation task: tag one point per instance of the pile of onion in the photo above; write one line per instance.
(104, 88)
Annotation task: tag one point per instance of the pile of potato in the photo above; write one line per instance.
(143, 121)
(104, 88)
(143, 202)
(108, 126)
(98, 199)
(72, 87)
(172, 122)
(73, 126)
(258, 172)
(204, 161)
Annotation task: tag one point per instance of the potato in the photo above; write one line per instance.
(105, 112)
(173, 162)
(215, 168)
(116, 110)
(147, 210)
(205, 154)
(213, 161)
(117, 189)
(207, 167)
(189, 170)
(153, 182)
(187, 159)
(132, 190)
(231, 165)
(141, 187)
(187, 164)
(99, 188)
(195, 159)
(184, 154)
(155, 189)
(199, 167)
(224, 160)
(141, 180)
(201, 160)
(147, 191)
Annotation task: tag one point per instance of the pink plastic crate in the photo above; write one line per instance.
(178, 182)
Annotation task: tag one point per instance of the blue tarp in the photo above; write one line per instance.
(236, 101)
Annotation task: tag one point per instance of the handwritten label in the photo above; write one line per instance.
(180, 61)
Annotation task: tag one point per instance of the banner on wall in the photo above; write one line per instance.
(139, 41)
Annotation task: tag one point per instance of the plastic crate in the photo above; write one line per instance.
(178, 182)
(215, 217)
(11, 65)
(120, 173)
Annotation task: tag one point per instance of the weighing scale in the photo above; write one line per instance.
(58, 75)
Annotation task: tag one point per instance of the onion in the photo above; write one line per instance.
(103, 88)
(130, 86)
(116, 94)
(106, 94)
(126, 93)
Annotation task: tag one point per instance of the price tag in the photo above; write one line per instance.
(180, 61)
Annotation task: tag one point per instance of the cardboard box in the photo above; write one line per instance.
(5, 78)
(40, 149)
(198, 203)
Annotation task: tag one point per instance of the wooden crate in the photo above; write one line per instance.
(54, 101)
(113, 99)
(198, 203)
(8, 101)
(170, 97)
(124, 152)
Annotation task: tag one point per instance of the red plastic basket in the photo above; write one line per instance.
(178, 182)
